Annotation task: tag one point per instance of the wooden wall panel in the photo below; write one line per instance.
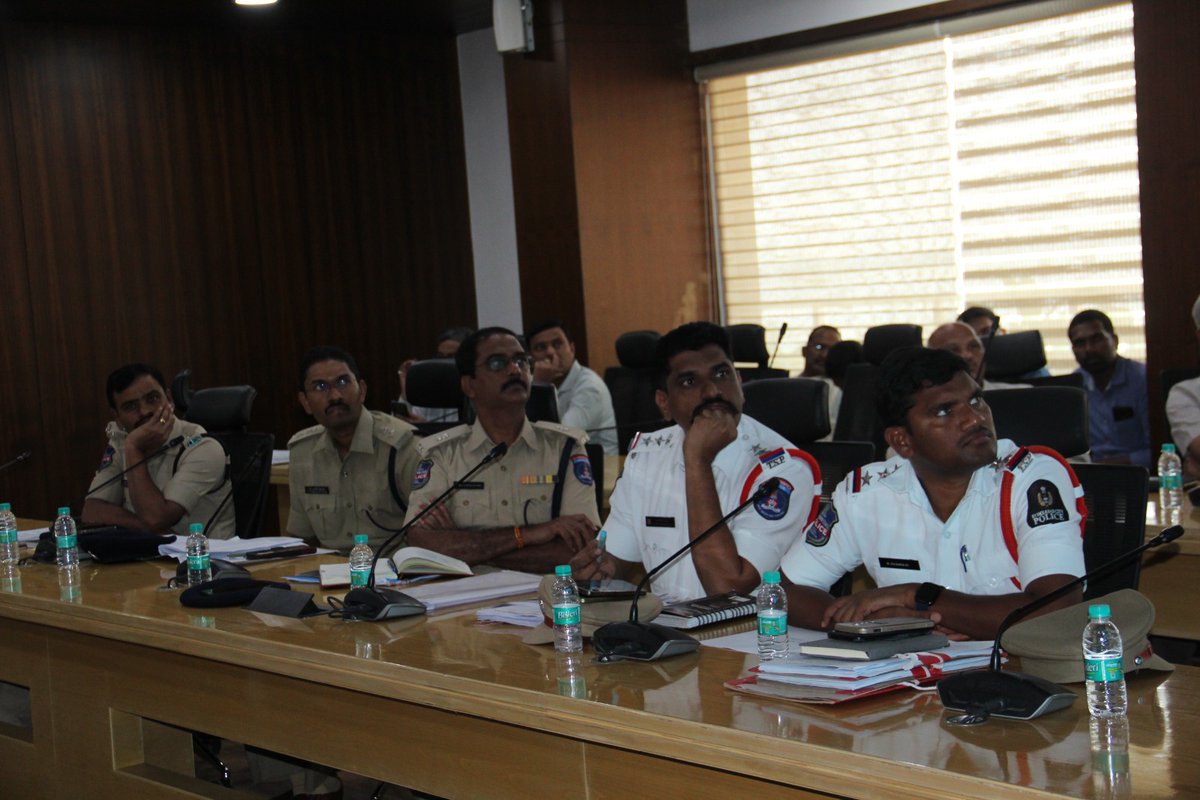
(223, 200)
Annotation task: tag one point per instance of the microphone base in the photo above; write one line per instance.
(640, 641)
(376, 605)
(1011, 695)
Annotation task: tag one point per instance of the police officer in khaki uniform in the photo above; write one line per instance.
(350, 473)
(185, 484)
(504, 514)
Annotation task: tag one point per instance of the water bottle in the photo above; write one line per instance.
(8, 535)
(361, 558)
(772, 618)
(65, 539)
(1170, 485)
(1102, 653)
(199, 564)
(69, 589)
(568, 636)
(1110, 758)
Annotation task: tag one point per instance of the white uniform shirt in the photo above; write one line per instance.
(649, 519)
(1183, 412)
(881, 517)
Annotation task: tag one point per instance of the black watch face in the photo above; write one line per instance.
(927, 594)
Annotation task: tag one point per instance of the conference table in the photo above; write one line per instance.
(122, 673)
(1171, 574)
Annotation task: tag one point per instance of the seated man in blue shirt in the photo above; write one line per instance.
(1118, 418)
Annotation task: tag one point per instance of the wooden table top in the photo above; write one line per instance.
(898, 744)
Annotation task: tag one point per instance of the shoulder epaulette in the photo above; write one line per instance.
(1018, 459)
(306, 433)
(427, 444)
(390, 430)
(566, 430)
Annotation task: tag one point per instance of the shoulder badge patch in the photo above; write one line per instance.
(822, 527)
(583, 468)
(1045, 504)
(773, 459)
(107, 458)
(775, 505)
(422, 472)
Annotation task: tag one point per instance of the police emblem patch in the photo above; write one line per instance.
(775, 505)
(421, 475)
(822, 527)
(1045, 504)
(583, 468)
(107, 458)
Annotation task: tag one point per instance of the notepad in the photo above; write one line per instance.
(707, 610)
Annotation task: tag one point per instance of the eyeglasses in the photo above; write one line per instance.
(341, 382)
(499, 362)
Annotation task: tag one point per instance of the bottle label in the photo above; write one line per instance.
(1102, 670)
(198, 563)
(8, 537)
(359, 577)
(65, 541)
(772, 623)
(566, 614)
(1170, 481)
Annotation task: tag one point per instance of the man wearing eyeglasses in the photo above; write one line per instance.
(351, 471)
(532, 509)
(822, 338)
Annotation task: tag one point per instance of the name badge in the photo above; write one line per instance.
(316, 490)
(660, 522)
(471, 485)
(899, 563)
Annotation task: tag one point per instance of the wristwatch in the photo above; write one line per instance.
(927, 595)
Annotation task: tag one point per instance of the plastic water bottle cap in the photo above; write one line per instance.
(65, 511)
(771, 577)
(562, 569)
(5, 507)
(360, 538)
(1099, 610)
(195, 527)
(1168, 448)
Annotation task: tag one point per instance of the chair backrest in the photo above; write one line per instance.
(1174, 375)
(858, 421)
(632, 387)
(542, 405)
(1070, 379)
(434, 383)
(1116, 501)
(883, 339)
(748, 342)
(795, 408)
(250, 470)
(222, 409)
(1015, 354)
(1052, 416)
(839, 459)
(181, 391)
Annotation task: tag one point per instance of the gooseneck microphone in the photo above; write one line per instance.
(25, 456)
(161, 449)
(775, 352)
(1017, 695)
(368, 602)
(645, 641)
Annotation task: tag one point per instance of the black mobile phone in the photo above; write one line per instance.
(613, 589)
(888, 628)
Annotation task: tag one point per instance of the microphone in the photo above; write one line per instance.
(782, 331)
(645, 641)
(1017, 695)
(25, 456)
(162, 449)
(369, 603)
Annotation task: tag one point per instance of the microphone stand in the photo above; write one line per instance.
(644, 641)
(162, 449)
(1017, 694)
(775, 352)
(25, 456)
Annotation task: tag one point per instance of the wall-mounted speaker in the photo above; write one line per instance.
(512, 21)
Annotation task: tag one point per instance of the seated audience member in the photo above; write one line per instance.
(171, 490)
(681, 480)
(351, 471)
(531, 510)
(1183, 412)
(447, 345)
(1118, 413)
(816, 351)
(982, 320)
(958, 527)
(583, 398)
(959, 338)
(841, 356)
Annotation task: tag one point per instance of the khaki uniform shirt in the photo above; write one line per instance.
(193, 474)
(516, 490)
(331, 498)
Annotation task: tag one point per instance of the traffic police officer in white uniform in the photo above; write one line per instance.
(679, 481)
(956, 527)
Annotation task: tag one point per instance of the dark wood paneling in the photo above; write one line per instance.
(223, 200)
(1167, 61)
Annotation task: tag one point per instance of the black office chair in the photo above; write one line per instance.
(1116, 501)
(1015, 354)
(1070, 379)
(632, 387)
(181, 391)
(795, 408)
(542, 405)
(1051, 416)
(858, 420)
(748, 343)
(837, 460)
(883, 339)
(435, 383)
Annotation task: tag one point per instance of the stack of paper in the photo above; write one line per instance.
(233, 549)
(526, 613)
(476, 589)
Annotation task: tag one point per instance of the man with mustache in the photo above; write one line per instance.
(680, 481)
(172, 490)
(350, 472)
(957, 527)
(1118, 413)
(530, 510)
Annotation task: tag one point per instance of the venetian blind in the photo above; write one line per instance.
(993, 168)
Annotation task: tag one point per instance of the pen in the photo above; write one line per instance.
(600, 543)
(963, 557)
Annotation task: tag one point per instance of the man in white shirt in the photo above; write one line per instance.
(958, 527)
(680, 481)
(1183, 413)
(583, 398)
